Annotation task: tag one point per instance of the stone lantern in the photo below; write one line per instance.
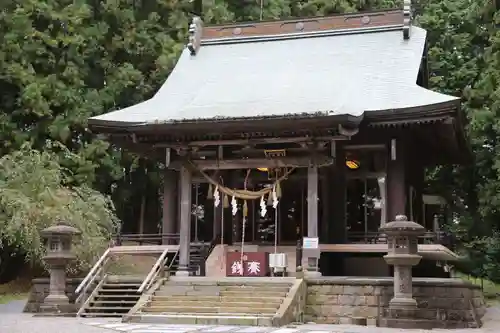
(58, 243)
(402, 253)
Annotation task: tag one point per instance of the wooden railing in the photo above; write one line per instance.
(429, 237)
(169, 238)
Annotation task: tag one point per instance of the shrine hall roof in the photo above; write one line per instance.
(303, 70)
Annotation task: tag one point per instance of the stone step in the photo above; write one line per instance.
(131, 285)
(209, 319)
(213, 283)
(258, 289)
(125, 302)
(208, 309)
(101, 314)
(226, 303)
(118, 296)
(108, 308)
(118, 290)
(189, 298)
(243, 293)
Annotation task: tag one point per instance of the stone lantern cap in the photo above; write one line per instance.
(60, 230)
(402, 227)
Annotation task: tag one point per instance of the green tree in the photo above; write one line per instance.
(33, 196)
(463, 57)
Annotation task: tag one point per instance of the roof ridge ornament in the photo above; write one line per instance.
(195, 32)
(406, 19)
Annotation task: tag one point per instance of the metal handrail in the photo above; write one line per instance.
(92, 272)
(98, 272)
(87, 301)
(154, 272)
(173, 259)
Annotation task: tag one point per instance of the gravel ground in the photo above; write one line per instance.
(13, 321)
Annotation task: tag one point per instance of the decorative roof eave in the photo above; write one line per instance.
(443, 109)
(298, 35)
(372, 117)
(274, 29)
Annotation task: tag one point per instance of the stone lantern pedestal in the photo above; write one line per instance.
(58, 242)
(402, 236)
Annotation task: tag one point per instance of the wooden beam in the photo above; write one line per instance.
(254, 163)
(255, 141)
(250, 152)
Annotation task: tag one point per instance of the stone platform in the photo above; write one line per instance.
(442, 303)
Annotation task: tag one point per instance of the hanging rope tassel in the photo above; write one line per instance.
(270, 199)
(210, 194)
(245, 209)
(225, 202)
(278, 189)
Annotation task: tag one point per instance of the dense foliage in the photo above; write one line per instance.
(33, 196)
(63, 61)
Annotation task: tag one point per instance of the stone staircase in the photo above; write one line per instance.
(199, 300)
(113, 298)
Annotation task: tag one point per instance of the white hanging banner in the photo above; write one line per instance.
(263, 209)
(275, 197)
(234, 204)
(216, 197)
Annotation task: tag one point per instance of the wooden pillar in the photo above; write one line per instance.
(169, 206)
(418, 182)
(396, 183)
(338, 231)
(218, 211)
(324, 203)
(185, 221)
(312, 201)
(217, 220)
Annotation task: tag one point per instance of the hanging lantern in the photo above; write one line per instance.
(352, 164)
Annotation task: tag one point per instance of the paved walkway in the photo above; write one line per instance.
(12, 321)
(307, 328)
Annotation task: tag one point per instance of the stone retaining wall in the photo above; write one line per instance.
(40, 290)
(335, 300)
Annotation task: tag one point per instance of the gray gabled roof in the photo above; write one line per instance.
(346, 72)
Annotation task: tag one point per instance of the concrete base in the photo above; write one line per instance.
(312, 274)
(403, 304)
(360, 321)
(57, 309)
(407, 323)
(58, 299)
(182, 273)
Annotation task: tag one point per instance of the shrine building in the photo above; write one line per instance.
(320, 127)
